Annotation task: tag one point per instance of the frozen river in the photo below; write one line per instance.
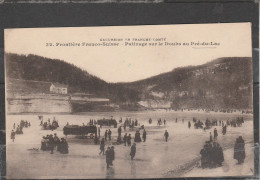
(154, 159)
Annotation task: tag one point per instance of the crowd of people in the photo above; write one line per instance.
(50, 143)
(211, 155)
(239, 150)
(50, 125)
(19, 128)
(198, 124)
(159, 122)
(130, 123)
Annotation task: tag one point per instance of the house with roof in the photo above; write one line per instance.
(58, 88)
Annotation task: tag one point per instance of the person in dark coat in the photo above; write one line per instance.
(129, 140)
(239, 150)
(125, 126)
(219, 155)
(99, 132)
(215, 134)
(210, 137)
(64, 149)
(106, 135)
(56, 140)
(166, 135)
(13, 135)
(43, 143)
(108, 157)
(119, 131)
(204, 158)
(109, 134)
(224, 130)
(137, 137)
(125, 139)
(112, 155)
(144, 135)
(189, 124)
(102, 146)
(133, 151)
(51, 143)
(164, 122)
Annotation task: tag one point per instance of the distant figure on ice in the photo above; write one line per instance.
(13, 135)
(215, 134)
(108, 157)
(136, 122)
(133, 151)
(150, 121)
(14, 126)
(125, 126)
(98, 131)
(204, 157)
(119, 131)
(166, 135)
(224, 129)
(164, 122)
(210, 137)
(56, 140)
(182, 120)
(144, 135)
(176, 120)
(189, 125)
(217, 154)
(125, 139)
(239, 150)
(137, 137)
(105, 135)
(64, 148)
(51, 143)
(112, 155)
(109, 134)
(129, 140)
(102, 146)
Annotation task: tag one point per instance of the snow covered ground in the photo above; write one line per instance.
(155, 158)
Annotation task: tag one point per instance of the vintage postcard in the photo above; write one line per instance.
(131, 102)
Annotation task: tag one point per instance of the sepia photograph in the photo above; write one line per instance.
(129, 102)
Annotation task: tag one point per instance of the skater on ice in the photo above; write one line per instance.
(133, 151)
(215, 134)
(109, 134)
(13, 135)
(144, 135)
(129, 140)
(239, 150)
(137, 137)
(166, 135)
(106, 135)
(125, 139)
(102, 146)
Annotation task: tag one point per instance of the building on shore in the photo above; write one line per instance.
(58, 88)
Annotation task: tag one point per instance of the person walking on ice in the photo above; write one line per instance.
(133, 151)
(166, 135)
(13, 135)
(215, 134)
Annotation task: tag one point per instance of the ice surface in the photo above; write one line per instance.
(155, 158)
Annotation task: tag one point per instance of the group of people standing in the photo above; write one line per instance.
(49, 125)
(50, 142)
(212, 154)
(159, 122)
(19, 128)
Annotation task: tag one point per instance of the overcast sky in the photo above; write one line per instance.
(125, 64)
